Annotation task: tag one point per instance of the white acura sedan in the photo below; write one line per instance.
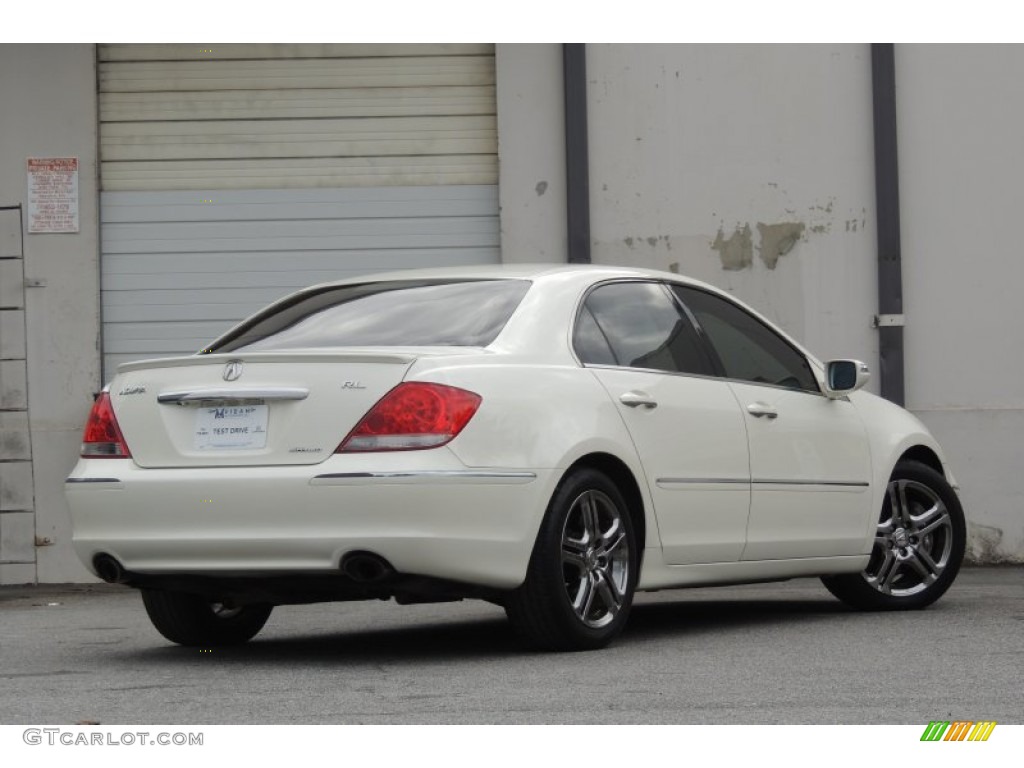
(549, 438)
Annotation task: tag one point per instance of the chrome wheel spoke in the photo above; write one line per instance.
(941, 519)
(928, 514)
(918, 565)
(902, 512)
(894, 505)
(888, 579)
(882, 580)
(933, 568)
(609, 547)
(574, 552)
(609, 594)
(584, 597)
(590, 525)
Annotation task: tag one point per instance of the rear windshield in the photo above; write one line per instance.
(389, 314)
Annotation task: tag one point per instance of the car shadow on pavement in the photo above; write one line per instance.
(690, 618)
(493, 638)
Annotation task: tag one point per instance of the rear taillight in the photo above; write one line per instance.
(102, 438)
(413, 415)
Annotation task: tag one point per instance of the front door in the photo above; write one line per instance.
(809, 461)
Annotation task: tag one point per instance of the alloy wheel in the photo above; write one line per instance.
(913, 541)
(595, 558)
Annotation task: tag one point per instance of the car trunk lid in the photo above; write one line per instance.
(252, 408)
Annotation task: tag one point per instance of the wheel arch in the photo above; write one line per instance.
(619, 473)
(923, 455)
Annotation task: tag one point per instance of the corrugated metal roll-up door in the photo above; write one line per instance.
(234, 174)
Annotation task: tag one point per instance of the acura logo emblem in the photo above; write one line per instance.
(232, 370)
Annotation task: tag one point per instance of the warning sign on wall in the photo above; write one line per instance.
(52, 194)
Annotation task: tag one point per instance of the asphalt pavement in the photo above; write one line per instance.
(770, 653)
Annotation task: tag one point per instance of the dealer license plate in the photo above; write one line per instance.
(232, 427)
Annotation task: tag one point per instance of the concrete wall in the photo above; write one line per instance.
(749, 167)
(960, 122)
(48, 109)
(531, 153)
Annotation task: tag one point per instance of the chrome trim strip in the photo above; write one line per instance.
(829, 483)
(219, 395)
(744, 481)
(702, 481)
(92, 480)
(426, 475)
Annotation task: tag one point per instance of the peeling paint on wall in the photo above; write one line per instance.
(777, 240)
(736, 251)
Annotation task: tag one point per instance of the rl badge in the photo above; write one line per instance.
(959, 730)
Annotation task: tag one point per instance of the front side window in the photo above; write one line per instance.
(386, 314)
(638, 325)
(748, 349)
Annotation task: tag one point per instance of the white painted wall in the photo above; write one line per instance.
(961, 122)
(531, 153)
(48, 109)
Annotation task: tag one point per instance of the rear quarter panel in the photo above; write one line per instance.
(537, 416)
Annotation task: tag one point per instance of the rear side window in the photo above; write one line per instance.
(386, 314)
(638, 325)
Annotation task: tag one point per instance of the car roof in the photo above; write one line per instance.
(539, 271)
(582, 274)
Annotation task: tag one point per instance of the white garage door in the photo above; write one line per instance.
(234, 174)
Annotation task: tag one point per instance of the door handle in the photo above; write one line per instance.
(638, 398)
(762, 410)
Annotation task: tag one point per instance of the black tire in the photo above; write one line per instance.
(195, 621)
(919, 545)
(582, 574)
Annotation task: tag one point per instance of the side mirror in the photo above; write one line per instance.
(845, 376)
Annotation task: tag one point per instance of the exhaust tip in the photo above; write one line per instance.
(108, 569)
(366, 567)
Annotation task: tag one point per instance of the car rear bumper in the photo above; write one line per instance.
(433, 518)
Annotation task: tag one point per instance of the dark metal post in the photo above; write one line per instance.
(577, 162)
(887, 202)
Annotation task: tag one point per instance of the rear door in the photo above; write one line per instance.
(686, 425)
